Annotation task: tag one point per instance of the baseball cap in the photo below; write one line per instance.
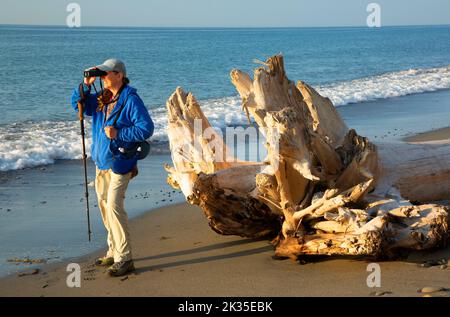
(113, 65)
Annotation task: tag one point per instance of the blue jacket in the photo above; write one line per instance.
(133, 125)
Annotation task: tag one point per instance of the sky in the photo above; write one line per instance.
(225, 13)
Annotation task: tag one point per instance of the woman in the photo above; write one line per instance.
(119, 121)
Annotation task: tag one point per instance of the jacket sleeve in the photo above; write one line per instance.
(90, 104)
(142, 126)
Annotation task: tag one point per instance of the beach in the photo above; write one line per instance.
(177, 254)
(175, 251)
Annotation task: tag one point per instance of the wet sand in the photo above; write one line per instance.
(43, 211)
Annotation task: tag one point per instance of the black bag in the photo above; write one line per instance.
(139, 150)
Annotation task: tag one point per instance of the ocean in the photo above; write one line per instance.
(386, 83)
(42, 65)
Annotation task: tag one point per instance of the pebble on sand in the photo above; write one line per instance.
(431, 289)
(28, 272)
(381, 293)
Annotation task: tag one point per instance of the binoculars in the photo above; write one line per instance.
(94, 72)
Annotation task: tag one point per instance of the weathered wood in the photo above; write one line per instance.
(322, 188)
(420, 172)
(230, 209)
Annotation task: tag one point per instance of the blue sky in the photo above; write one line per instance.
(225, 13)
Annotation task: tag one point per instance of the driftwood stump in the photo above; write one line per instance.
(322, 189)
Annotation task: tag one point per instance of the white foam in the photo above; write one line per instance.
(387, 85)
(33, 144)
(221, 112)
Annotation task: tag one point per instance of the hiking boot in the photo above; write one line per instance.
(121, 268)
(104, 261)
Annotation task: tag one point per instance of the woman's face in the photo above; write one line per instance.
(112, 80)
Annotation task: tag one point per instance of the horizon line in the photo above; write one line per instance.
(223, 27)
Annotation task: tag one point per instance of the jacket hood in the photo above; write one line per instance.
(128, 90)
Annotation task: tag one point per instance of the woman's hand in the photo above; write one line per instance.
(89, 80)
(111, 132)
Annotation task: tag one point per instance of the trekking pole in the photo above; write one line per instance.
(81, 117)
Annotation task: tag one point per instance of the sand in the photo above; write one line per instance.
(438, 136)
(177, 254)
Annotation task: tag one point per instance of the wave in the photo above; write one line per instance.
(387, 85)
(29, 144)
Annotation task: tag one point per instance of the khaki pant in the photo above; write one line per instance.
(110, 188)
